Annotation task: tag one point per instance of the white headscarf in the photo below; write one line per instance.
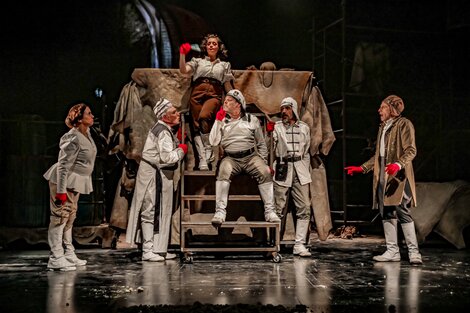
(291, 102)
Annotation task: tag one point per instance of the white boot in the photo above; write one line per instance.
(301, 238)
(147, 244)
(170, 256)
(57, 260)
(391, 240)
(201, 152)
(412, 243)
(221, 198)
(266, 191)
(208, 148)
(70, 249)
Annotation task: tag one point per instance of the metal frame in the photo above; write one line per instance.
(273, 229)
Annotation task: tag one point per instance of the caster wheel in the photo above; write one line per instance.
(188, 259)
(277, 258)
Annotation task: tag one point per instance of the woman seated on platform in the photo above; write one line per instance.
(210, 78)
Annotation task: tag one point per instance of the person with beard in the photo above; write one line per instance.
(241, 137)
(210, 78)
(291, 143)
(394, 183)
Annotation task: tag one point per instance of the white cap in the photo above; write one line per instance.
(161, 107)
(237, 95)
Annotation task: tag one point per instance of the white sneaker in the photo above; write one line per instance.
(60, 264)
(218, 219)
(72, 258)
(272, 217)
(152, 257)
(387, 256)
(170, 256)
(415, 258)
(301, 250)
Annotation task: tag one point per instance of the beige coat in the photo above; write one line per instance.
(400, 147)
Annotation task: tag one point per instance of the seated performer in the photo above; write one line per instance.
(291, 139)
(153, 194)
(209, 77)
(238, 133)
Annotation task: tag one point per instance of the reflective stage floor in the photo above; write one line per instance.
(340, 277)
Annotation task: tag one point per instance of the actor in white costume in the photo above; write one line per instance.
(291, 139)
(241, 137)
(152, 202)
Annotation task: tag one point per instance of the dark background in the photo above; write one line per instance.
(55, 53)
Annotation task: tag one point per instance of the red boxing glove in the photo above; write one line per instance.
(184, 147)
(185, 48)
(60, 198)
(353, 170)
(220, 114)
(392, 169)
(270, 126)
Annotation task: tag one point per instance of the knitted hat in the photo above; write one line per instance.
(161, 107)
(291, 102)
(237, 95)
(396, 104)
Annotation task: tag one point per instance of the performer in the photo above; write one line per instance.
(209, 77)
(156, 180)
(394, 184)
(68, 178)
(238, 133)
(291, 139)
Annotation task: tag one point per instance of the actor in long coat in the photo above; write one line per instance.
(394, 184)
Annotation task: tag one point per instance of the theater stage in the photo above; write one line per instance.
(340, 277)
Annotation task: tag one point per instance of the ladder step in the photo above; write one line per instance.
(230, 197)
(199, 173)
(260, 224)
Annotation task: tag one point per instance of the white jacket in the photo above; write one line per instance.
(293, 140)
(75, 163)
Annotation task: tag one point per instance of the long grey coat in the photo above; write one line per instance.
(400, 147)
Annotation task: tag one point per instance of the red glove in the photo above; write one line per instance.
(60, 198)
(392, 169)
(353, 170)
(180, 136)
(185, 48)
(270, 126)
(220, 114)
(184, 147)
(271, 170)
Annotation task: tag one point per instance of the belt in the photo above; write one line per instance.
(241, 154)
(289, 159)
(207, 80)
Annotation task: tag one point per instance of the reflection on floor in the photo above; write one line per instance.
(340, 277)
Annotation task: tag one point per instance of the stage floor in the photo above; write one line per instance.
(339, 277)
